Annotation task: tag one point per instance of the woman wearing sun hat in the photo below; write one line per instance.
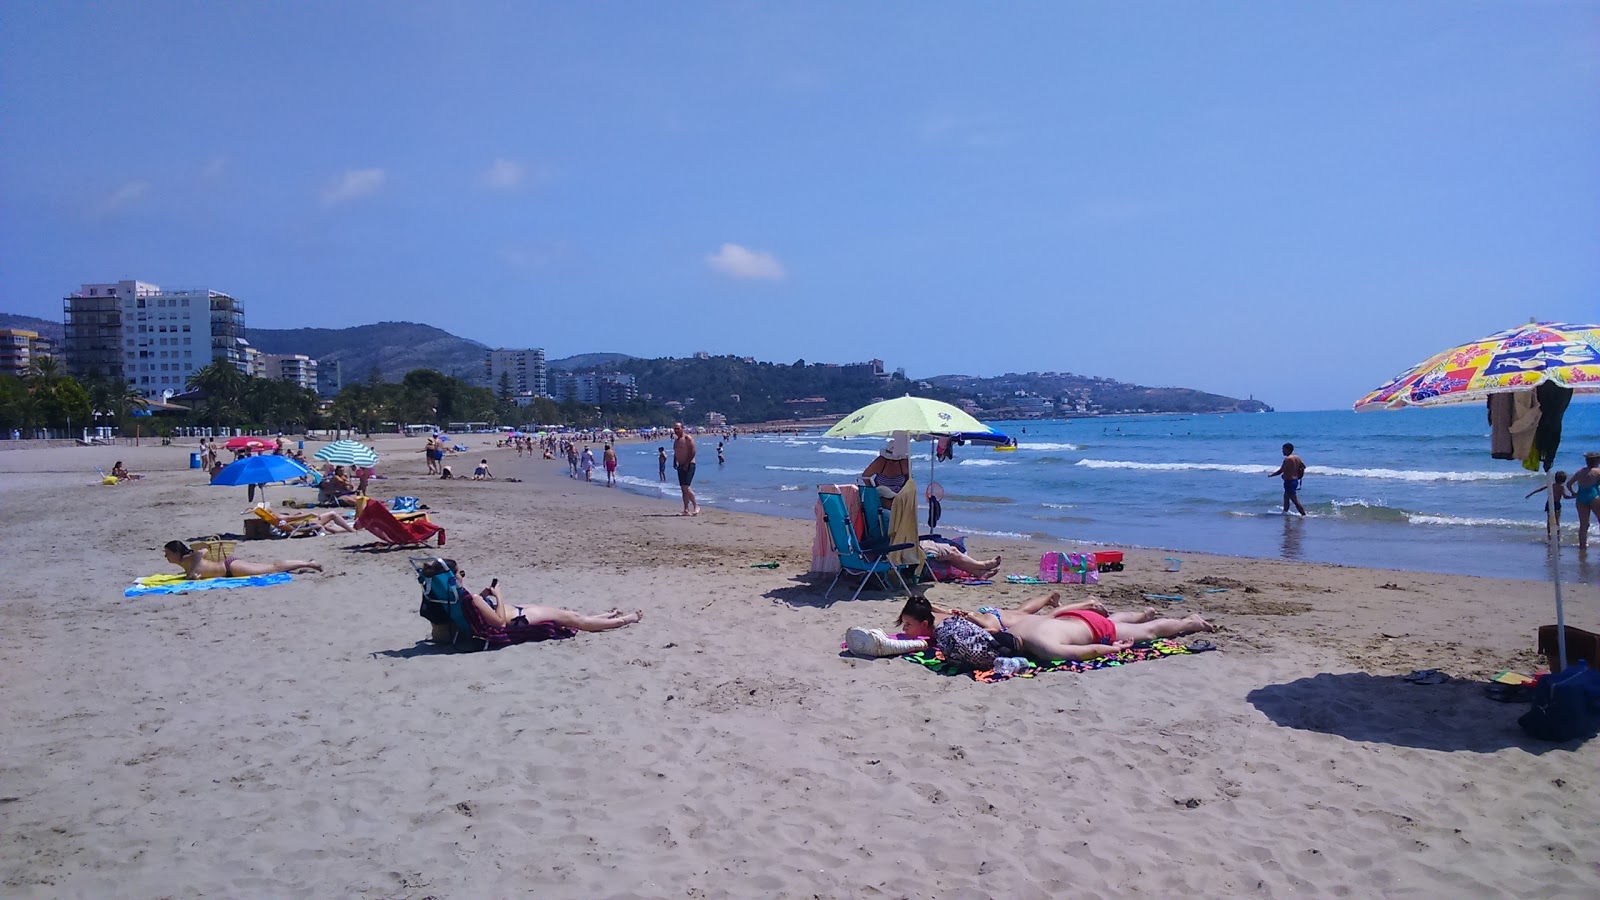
(890, 470)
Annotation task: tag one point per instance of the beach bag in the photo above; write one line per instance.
(1565, 705)
(1058, 567)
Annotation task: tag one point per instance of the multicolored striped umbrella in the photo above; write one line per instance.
(1511, 360)
(348, 453)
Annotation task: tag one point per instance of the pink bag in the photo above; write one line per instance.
(1068, 568)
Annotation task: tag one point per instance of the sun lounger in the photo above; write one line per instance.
(287, 526)
(376, 519)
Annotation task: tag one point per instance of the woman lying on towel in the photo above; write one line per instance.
(494, 610)
(195, 565)
(948, 554)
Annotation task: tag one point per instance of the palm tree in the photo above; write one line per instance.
(223, 386)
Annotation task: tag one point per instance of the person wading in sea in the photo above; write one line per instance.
(1292, 470)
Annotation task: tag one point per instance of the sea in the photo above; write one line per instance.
(1414, 489)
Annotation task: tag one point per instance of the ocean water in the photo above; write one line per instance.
(1414, 489)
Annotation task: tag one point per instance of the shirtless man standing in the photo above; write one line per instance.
(683, 461)
(1292, 470)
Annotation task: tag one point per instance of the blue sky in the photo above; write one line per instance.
(1283, 200)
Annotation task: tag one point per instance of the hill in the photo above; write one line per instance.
(590, 361)
(1088, 395)
(393, 348)
(45, 327)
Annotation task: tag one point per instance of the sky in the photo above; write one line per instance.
(1292, 201)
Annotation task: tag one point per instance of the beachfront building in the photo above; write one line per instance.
(20, 349)
(153, 338)
(525, 370)
(716, 420)
(330, 377)
(608, 388)
(255, 363)
(295, 368)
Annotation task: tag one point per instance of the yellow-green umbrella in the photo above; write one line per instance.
(916, 415)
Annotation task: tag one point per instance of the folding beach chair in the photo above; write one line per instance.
(442, 597)
(869, 561)
(287, 526)
(376, 519)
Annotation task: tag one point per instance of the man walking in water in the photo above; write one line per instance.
(1292, 470)
(683, 461)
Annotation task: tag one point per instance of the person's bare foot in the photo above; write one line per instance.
(1199, 624)
(310, 567)
(635, 616)
(1149, 613)
(1053, 601)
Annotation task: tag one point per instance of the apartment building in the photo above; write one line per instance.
(296, 368)
(154, 338)
(525, 370)
(20, 348)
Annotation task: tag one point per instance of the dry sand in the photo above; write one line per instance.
(305, 740)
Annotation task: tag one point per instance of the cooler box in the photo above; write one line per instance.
(1584, 645)
(1108, 560)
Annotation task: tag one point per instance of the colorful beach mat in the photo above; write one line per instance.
(177, 584)
(934, 661)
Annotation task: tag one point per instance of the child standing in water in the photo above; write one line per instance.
(1560, 493)
(1292, 470)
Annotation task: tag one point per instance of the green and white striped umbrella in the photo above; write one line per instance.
(348, 453)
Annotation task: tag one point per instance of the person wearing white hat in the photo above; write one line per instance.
(890, 470)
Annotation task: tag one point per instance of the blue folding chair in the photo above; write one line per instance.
(868, 562)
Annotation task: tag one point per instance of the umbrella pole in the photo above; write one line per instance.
(1553, 537)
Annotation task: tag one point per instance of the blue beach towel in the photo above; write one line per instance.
(204, 584)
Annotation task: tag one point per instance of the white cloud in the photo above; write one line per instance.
(351, 185)
(121, 198)
(505, 175)
(735, 261)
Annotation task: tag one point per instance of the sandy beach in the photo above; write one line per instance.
(306, 738)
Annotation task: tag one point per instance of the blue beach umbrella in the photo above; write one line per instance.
(260, 470)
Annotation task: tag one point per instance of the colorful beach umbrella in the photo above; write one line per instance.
(348, 453)
(1517, 359)
(1512, 360)
(915, 415)
(247, 443)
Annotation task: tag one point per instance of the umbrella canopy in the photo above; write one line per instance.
(1516, 359)
(916, 415)
(348, 453)
(247, 443)
(1511, 360)
(260, 470)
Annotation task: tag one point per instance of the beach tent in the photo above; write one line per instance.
(1554, 358)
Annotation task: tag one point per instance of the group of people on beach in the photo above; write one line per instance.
(1583, 489)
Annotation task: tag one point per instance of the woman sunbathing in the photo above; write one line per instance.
(337, 489)
(195, 565)
(497, 612)
(327, 519)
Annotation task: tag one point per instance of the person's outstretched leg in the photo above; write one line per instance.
(1145, 615)
(1162, 628)
(244, 568)
(579, 621)
(1030, 607)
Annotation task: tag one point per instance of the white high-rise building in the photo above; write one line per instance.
(296, 368)
(153, 338)
(525, 368)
